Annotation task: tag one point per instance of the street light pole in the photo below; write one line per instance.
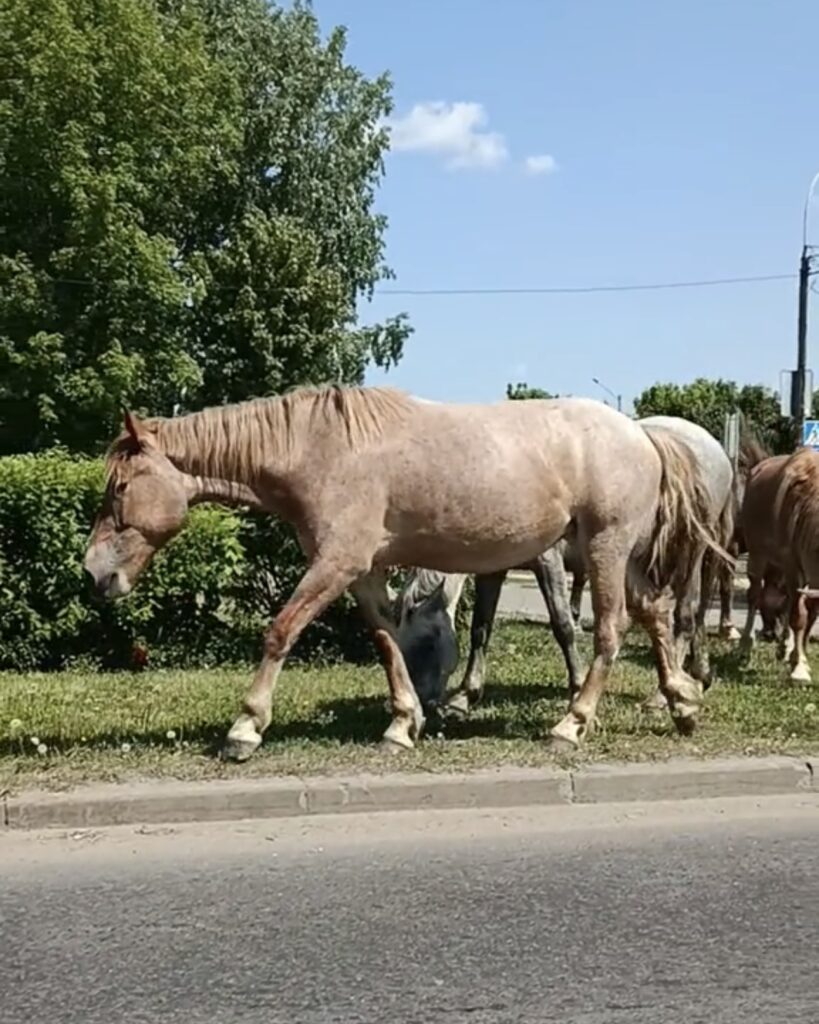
(798, 399)
(604, 387)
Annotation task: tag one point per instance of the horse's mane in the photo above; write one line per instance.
(796, 506)
(235, 441)
(751, 450)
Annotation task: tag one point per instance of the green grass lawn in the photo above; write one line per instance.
(58, 730)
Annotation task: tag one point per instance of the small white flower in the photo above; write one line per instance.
(42, 748)
(170, 734)
(810, 708)
(35, 741)
(125, 748)
(15, 725)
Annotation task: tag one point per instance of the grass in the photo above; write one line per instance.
(62, 729)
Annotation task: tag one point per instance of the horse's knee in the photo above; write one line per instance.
(276, 641)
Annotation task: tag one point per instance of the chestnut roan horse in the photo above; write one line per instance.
(780, 524)
(372, 478)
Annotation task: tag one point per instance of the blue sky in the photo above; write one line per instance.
(676, 141)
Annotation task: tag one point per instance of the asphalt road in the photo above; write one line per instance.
(520, 598)
(698, 912)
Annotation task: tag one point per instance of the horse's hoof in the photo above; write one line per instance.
(239, 750)
(393, 748)
(686, 725)
(729, 633)
(800, 675)
(457, 706)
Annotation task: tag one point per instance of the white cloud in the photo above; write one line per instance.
(454, 131)
(543, 164)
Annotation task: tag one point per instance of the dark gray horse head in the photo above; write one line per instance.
(425, 611)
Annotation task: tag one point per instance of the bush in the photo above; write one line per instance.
(204, 600)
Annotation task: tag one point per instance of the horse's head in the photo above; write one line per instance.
(427, 637)
(144, 506)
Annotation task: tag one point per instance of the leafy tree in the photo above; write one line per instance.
(707, 401)
(521, 391)
(187, 206)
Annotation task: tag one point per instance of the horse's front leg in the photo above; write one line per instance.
(487, 594)
(370, 593)
(324, 581)
(551, 578)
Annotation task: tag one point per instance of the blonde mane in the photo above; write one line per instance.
(235, 441)
(797, 501)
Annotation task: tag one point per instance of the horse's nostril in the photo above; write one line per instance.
(97, 584)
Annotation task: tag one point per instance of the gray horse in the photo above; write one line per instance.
(427, 635)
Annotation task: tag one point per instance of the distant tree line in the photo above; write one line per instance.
(707, 402)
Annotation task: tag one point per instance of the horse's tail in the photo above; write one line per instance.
(713, 567)
(684, 522)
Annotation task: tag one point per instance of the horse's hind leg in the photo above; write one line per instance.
(551, 578)
(487, 594)
(576, 599)
(756, 572)
(323, 582)
(798, 661)
(700, 662)
(680, 692)
(370, 593)
(727, 629)
(608, 558)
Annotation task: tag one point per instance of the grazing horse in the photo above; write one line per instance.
(549, 569)
(372, 478)
(428, 639)
(780, 524)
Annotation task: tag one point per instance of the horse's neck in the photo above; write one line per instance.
(222, 492)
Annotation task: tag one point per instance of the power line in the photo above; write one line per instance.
(545, 290)
(587, 289)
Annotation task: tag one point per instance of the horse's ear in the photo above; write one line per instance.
(135, 428)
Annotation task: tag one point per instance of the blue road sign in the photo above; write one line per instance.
(810, 434)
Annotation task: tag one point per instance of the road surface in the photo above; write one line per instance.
(520, 598)
(705, 912)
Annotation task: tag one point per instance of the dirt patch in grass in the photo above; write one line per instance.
(63, 729)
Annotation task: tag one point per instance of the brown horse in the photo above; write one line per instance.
(780, 524)
(772, 600)
(372, 478)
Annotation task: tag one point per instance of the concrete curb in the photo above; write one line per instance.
(164, 802)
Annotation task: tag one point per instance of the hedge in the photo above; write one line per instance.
(205, 599)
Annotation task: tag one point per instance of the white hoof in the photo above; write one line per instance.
(800, 673)
(730, 633)
(242, 741)
(397, 735)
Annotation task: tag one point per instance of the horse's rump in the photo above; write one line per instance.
(796, 507)
(684, 521)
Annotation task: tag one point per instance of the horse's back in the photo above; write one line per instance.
(512, 476)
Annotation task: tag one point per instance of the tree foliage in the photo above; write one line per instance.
(187, 206)
(708, 401)
(520, 391)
